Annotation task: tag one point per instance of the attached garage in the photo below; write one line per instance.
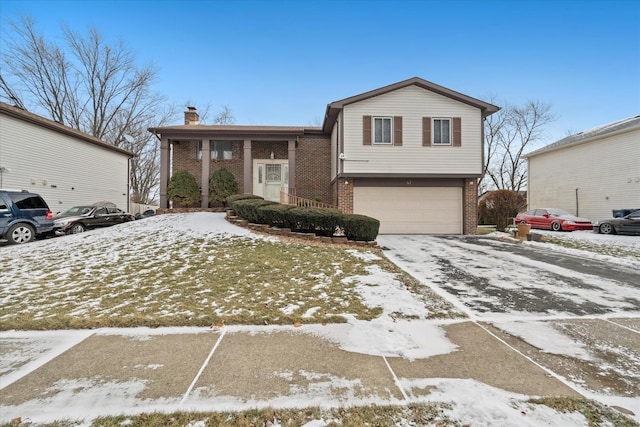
(412, 210)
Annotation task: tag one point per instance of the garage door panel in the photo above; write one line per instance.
(411, 210)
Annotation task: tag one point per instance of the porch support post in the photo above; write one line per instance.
(247, 174)
(292, 167)
(164, 171)
(206, 168)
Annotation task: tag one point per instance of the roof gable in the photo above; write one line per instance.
(334, 108)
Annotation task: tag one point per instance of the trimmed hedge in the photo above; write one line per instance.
(235, 197)
(321, 221)
(276, 215)
(360, 227)
(248, 209)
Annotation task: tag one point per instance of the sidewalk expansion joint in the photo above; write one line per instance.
(395, 379)
(202, 368)
(544, 368)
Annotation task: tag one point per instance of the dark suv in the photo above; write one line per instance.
(23, 215)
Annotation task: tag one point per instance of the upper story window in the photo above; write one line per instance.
(220, 150)
(441, 132)
(382, 130)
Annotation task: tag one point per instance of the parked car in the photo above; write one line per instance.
(553, 219)
(81, 218)
(145, 214)
(619, 213)
(628, 224)
(23, 216)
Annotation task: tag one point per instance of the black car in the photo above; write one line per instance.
(81, 218)
(628, 224)
(145, 214)
(23, 216)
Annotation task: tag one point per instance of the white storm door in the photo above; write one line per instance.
(270, 177)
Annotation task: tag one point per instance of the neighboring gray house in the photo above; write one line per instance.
(65, 166)
(590, 173)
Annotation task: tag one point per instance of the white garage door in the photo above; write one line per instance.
(411, 210)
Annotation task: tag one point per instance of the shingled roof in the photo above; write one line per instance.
(589, 134)
(27, 116)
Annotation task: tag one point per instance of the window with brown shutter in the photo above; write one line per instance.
(426, 131)
(382, 130)
(457, 132)
(366, 130)
(397, 130)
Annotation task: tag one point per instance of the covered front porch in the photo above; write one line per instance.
(261, 158)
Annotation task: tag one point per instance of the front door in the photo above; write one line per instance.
(270, 177)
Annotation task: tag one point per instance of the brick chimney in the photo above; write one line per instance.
(191, 116)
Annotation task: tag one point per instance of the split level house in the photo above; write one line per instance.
(409, 154)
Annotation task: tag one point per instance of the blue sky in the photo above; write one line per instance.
(282, 62)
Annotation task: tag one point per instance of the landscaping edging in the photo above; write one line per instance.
(161, 211)
(306, 237)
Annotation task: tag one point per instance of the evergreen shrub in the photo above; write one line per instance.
(321, 221)
(276, 215)
(248, 209)
(360, 227)
(183, 189)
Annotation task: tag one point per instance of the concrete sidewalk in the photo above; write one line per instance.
(109, 372)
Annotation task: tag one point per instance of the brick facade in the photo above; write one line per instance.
(345, 195)
(185, 157)
(470, 206)
(313, 177)
(313, 157)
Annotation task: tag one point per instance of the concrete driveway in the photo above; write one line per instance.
(575, 316)
(488, 277)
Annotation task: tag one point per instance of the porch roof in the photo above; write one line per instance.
(233, 131)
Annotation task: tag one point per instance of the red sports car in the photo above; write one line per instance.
(553, 219)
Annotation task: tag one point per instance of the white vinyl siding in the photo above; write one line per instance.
(411, 210)
(605, 171)
(64, 170)
(412, 104)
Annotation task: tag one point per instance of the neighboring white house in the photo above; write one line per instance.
(65, 166)
(590, 173)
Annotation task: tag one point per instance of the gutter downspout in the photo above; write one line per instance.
(577, 206)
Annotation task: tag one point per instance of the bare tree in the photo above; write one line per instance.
(224, 116)
(509, 134)
(89, 85)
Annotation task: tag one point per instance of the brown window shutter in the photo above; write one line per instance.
(426, 131)
(457, 132)
(366, 130)
(397, 130)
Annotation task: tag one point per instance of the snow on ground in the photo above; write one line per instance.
(490, 281)
(545, 337)
(472, 402)
(607, 241)
(616, 249)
